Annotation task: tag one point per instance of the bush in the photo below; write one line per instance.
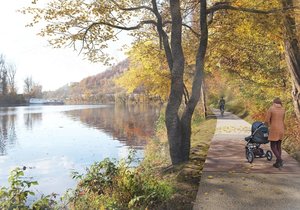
(12, 99)
(16, 195)
(113, 184)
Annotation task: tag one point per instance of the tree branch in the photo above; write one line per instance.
(185, 25)
(186, 94)
(87, 29)
(163, 37)
(132, 8)
(139, 25)
(225, 5)
(192, 30)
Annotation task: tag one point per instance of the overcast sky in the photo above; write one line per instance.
(32, 55)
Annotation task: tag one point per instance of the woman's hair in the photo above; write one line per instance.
(277, 101)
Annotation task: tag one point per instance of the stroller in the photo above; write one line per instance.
(259, 135)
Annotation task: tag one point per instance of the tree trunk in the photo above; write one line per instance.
(179, 129)
(197, 83)
(203, 100)
(292, 54)
(4, 83)
(173, 122)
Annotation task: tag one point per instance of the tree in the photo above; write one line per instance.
(292, 50)
(7, 77)
(28, 85)
(11, 74)
(248, 50)
(287, 11)
(37, 90)
(31, 88)
(3, 75)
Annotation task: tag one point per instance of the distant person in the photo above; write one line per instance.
(222, 104)
(275, 121)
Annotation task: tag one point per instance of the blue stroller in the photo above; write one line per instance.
(259, 135)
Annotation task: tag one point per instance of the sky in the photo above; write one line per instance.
(33, 56)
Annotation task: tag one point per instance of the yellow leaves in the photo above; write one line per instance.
(257, 4)
(148, 43)
(148, 70)
(281, 48)
(247, 51)
(250, 48)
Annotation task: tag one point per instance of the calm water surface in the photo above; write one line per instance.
(54, 140)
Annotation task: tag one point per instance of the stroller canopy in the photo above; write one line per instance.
(255, 126)
(259, 133)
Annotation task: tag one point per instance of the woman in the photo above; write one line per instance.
(275, 121)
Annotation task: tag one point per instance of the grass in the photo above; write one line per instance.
(187, 177)
(184, 178)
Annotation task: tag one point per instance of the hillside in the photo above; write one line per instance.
(97, 88)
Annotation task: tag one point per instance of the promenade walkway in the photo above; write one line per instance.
(229, 182)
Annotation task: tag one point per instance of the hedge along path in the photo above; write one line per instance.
(229, 182)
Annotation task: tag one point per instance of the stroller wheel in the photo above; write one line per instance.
(246, 152)
(269, 155)
(250, 156)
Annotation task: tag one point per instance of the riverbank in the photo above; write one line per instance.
(167, 187)
(184, 178)
(154, 184)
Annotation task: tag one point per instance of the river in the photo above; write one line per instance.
(52, 141)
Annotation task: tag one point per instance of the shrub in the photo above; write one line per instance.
(16, 195)
(111, 184)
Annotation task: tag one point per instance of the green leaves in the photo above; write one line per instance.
(15, 196)
(113, 184)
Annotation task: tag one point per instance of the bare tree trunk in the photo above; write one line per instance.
(11, 74)
(179, 129)
(292, 53)
(197, 82)
(173, 122)
(4, 82)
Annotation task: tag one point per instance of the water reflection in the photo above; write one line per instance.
(129, 124)
(32, 119)
(8, 134)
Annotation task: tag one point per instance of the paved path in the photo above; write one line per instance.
(229, 182)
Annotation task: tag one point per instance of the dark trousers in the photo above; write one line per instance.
(276, 149)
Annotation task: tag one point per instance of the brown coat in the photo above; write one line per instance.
(275, 121)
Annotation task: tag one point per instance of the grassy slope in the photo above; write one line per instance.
(184, 178)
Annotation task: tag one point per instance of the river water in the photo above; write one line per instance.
(52, 141)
